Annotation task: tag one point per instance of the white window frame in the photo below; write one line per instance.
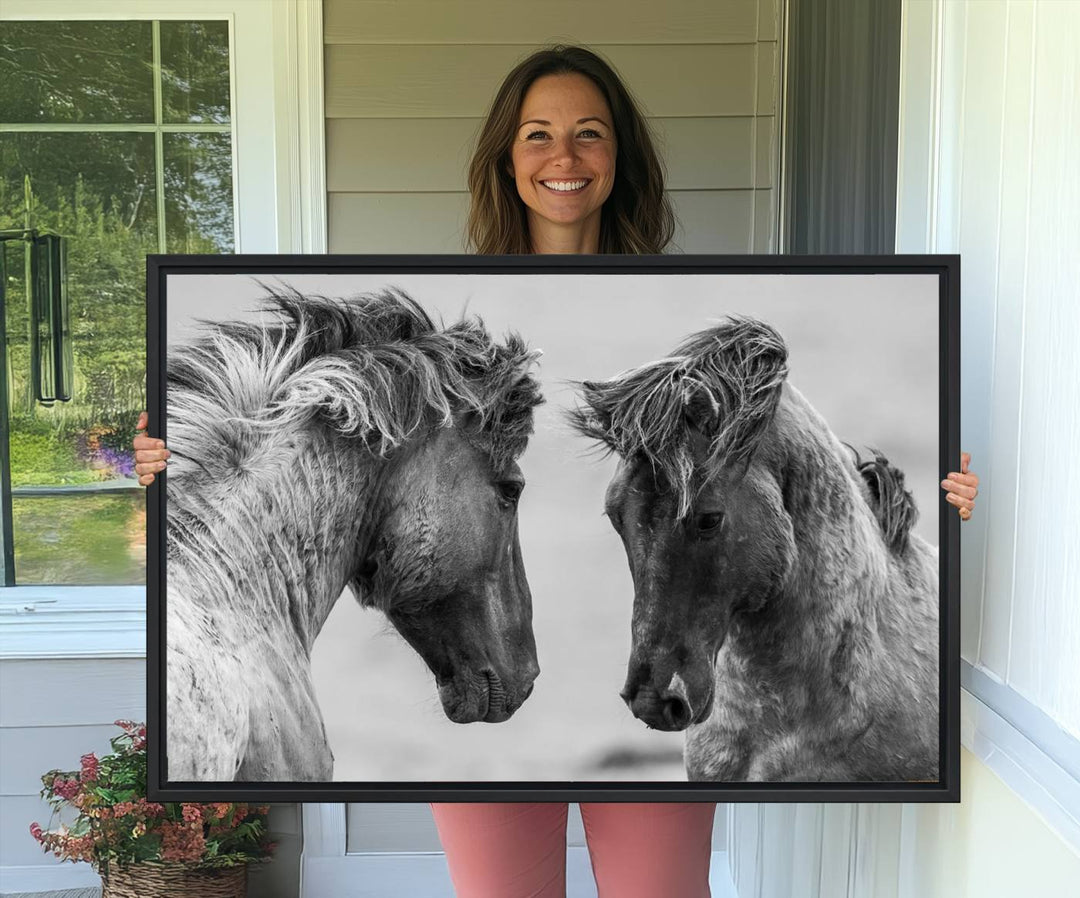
(279, 200)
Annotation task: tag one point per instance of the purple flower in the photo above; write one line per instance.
(120, 462)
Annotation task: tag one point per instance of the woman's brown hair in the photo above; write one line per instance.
(637, 216)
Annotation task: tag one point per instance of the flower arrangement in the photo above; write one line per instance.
(116, 824)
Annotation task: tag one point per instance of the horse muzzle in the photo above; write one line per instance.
(670, 708)
(481, 696)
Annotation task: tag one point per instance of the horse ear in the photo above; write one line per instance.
(700, 408)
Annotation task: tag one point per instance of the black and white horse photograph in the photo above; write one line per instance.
(565, 528)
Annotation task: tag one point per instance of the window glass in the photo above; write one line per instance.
(81, 539)
(198, 193)
(60, 72)
(78, 512)
(195, 71)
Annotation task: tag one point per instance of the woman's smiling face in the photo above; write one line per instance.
(563, 155)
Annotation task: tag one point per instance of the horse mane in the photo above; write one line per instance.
(373, 366)
(892, 504)
(722, 384)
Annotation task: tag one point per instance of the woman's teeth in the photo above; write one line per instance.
(564, 186)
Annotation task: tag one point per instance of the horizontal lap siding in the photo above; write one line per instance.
(709, 221)
(460, 80)
(524, 22)
(53, 712)
(73, 692)
(385, 155)
(408, 84)
(27, 752)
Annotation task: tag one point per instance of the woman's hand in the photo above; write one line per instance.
(962, 487)
(150, 454)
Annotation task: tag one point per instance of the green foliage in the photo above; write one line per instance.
(116, 824)
(99, 189)
(76, 71)
(106, 276)
(38, 458)
(81, 539)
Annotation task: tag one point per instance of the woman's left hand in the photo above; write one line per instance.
(151, 456)
(962, 487)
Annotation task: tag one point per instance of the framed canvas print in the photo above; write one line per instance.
(457, 528)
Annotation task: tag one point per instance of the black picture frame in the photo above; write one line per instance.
(947, 270)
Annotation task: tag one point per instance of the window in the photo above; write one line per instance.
(277, 128)
(116, 135)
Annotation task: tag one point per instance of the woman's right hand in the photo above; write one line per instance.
(150, 454)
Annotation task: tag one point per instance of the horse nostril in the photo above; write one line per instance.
(676, 713)
(528, 691)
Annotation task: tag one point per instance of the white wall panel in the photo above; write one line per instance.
(1014, 186)
(976, 161)
(1004, 167)
(1046, 615)
(805, 850)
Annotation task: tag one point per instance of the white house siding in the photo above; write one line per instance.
(408, 82)
(54, 711)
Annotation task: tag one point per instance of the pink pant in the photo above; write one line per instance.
(519, 850)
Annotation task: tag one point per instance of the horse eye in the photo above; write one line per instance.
(706, 523)
(511, 490)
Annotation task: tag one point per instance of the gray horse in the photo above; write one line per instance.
(350, 442)
(784, 614)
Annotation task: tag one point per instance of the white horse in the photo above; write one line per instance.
(350, 443)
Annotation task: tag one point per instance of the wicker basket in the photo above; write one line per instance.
(148, 880)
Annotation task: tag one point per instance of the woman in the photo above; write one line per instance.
(565, 164)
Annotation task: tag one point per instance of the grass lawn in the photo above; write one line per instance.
(81, 539)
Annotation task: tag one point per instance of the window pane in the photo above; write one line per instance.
(198, 193)
(81, 540)
(195, 71)
(111, 175)
(76, 72)
(98, 191)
